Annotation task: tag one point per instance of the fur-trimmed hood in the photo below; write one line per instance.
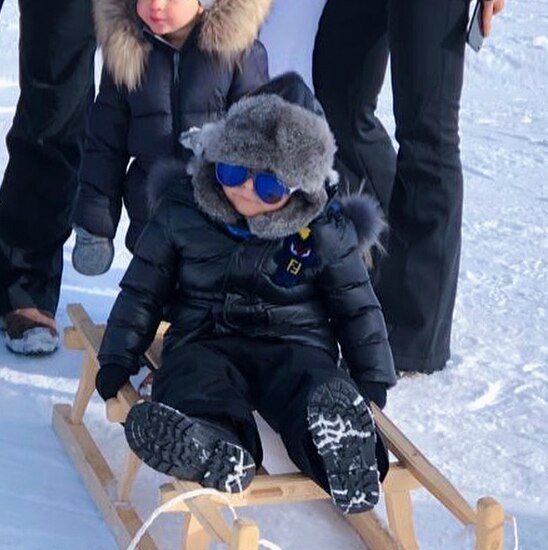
(227, 29)
(366, 215)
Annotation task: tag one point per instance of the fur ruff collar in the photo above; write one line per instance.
(362, 210)
(227, 30)
(299, 211)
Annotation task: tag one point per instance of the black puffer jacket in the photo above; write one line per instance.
(149, 93)
(229, 282)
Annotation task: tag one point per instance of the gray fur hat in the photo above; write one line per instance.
(281, 129)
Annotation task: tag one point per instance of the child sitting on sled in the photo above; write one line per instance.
(266, 279)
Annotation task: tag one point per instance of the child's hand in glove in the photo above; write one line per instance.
(91, 255)
(374, 391)
(110, 380)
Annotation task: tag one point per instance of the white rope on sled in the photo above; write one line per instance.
(181, 498)
(269, 545)
(516, 538)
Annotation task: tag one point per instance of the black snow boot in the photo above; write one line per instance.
(343, 431)
(188, 448)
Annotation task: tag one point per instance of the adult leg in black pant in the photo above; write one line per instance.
(350, 57)
(57, 46)
(418, 277)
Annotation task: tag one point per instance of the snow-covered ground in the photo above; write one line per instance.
(483, 420)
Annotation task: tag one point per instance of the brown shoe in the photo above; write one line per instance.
(31, 331)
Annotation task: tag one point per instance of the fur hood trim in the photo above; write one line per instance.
(362, 210)
(227, 29)
(211, 200)
(230, 27)
(366, 215)
(297, 213)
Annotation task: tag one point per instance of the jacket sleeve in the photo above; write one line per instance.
(352, 306)
(104, 163)
(250, 73)
(146, 288)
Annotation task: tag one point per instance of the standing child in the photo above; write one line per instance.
(169, 65)
(265, 280)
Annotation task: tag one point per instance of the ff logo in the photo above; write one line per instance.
(294, 266)
(295, 255)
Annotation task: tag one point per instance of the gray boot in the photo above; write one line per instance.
(91, 255)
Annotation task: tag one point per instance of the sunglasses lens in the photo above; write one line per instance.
(230, 175)
(269, 188)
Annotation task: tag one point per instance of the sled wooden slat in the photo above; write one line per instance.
(203, 521)
(71, 339)
(400, 518)
(194, 535)
(131, 468)
(207, 513)
(89, 332)
(246, 535)
(283, 488)
(372, 532)
(116, 410)
(425, 472)
(367, 525)
(90, 335)
(98, 478)
(490, 527)
(118, 407)
(265, 489)
(86, 387)
(399, 478)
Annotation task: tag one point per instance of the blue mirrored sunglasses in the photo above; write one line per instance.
(267, 186)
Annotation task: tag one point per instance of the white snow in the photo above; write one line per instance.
(483, 420)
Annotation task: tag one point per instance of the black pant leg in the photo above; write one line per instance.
(288, 374)
(56, 52)
(200, 379)
(418, 278)
(349, 64)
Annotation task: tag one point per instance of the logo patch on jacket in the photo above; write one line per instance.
(296, 255)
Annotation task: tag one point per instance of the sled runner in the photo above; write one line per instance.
(203, 521)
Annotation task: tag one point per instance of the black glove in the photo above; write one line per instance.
(110, 379)
(374, 391)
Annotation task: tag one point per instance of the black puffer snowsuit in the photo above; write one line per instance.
(229, 285)
(250, 329)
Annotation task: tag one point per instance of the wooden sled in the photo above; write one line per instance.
(203, 522)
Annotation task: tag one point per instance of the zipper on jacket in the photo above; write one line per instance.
(176, 58)
(175, 106)
(177, 54)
